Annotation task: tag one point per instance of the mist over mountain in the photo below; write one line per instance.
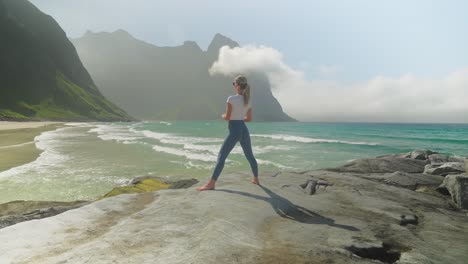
(159, 83)
(42, 76)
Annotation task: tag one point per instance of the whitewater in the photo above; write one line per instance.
(82, 161)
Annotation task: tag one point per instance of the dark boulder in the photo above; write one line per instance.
(445, 169)
(383, 164)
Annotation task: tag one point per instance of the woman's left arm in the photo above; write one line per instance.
(248, 116)
(227, 115)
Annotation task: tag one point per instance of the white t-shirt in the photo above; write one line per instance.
(239, 110)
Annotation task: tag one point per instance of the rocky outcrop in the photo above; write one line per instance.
(443, 165)
(419, 161)
(308, 217)
(420, 154)
(441, 158)
(19, 211)
(420, 170)
(445, 168)
(384, 164)
(411, 181)
(457, 186)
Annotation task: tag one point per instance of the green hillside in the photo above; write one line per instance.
(41, 75)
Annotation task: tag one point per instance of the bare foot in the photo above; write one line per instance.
(255, 180)
(209, 186)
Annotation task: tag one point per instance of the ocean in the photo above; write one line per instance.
(83, 161)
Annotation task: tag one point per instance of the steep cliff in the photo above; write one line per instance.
(157, 83)
(41, 75)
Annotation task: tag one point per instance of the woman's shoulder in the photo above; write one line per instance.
(233, 97)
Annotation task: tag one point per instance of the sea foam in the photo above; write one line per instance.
(118, 133)
(311, 140)
(187, 154)
(49, 142)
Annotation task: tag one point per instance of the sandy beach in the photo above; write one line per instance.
(17, 142)
(6, 125)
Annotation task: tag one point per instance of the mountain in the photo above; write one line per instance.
(41, 75)
(160, 83)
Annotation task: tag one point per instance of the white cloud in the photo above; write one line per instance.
(408, 98)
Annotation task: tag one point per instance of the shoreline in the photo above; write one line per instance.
(17, 142)
(12, 125)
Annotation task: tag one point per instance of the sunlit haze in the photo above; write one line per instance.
(361, 60)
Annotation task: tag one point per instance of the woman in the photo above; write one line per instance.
(238, 111)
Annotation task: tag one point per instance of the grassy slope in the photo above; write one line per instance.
(43, 77)
(69, 102)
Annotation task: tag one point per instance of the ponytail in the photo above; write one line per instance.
(246, 93)
(245, 87)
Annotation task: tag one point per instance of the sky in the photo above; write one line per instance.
(327, 60)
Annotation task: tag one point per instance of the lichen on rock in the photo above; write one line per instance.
(149, 184)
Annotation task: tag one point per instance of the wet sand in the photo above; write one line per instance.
(17, 142)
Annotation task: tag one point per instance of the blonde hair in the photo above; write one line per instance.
(245, 88)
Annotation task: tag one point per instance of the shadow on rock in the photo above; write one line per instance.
(286, 209)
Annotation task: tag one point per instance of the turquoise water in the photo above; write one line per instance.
(86, 160)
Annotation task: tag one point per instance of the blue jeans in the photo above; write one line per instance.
(238, 132)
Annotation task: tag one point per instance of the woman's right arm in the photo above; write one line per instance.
(227, 115)
(248, 116)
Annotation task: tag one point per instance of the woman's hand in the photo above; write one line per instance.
(227, 116)
(248, 116)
